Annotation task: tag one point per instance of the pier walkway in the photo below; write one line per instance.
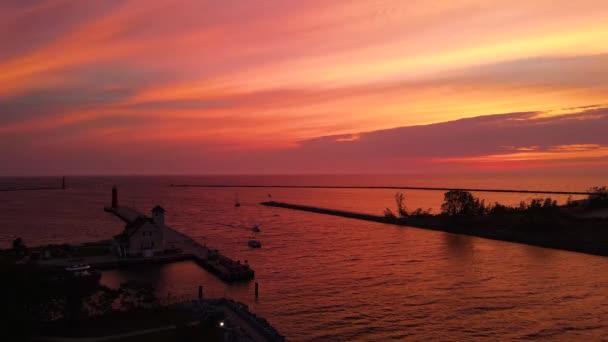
(334, 212)
(218, 264)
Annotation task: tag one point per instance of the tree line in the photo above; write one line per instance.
(460, 203)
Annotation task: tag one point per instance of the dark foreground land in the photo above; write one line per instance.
(52, 303)
(198, 320)
(42, 304)
(561, 228)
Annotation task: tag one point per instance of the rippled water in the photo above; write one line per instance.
(328, 278)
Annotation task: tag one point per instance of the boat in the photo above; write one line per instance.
(254, 243)
(78, 268)
(255, 228)
(81, 270)
(237, 203)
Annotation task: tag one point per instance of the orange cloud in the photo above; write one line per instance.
(247, 74)
(559, 152)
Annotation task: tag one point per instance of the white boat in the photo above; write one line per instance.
(78, 268)
(254, 243)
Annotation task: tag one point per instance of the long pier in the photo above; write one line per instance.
(521, 191)
(210, 259)
(326, 211)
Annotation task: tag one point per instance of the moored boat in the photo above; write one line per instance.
(81, 270)
(254, 243)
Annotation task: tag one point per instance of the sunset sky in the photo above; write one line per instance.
(154, 87)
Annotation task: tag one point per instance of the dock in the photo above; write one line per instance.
(145, 240)
(211, 259)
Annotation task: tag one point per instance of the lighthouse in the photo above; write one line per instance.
(114, 197)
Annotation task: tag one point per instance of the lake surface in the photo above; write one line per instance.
(330, 278)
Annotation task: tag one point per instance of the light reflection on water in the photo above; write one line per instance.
(329, 278)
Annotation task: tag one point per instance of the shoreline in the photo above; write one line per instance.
(586, 238)
(517, 191)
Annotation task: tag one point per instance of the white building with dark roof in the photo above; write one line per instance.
(143, 237)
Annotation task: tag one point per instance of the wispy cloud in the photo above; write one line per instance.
(268, 75)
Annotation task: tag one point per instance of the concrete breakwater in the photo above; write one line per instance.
(210, 259)
(335, 212)
(565, 233)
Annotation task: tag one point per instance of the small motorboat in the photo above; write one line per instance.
(255, 228)
(254, 243)
(78, 268)
(81, 270)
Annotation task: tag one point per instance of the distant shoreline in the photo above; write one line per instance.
(585, 238)
(30, 189)
(523, 191)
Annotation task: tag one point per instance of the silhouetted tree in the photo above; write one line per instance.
(19, 247)
(399, 200)
(18, 244)
(462, 203)
(536, 205)
(598, 197)
(499, 209)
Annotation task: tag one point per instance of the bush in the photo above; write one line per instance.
(388, 214)
(462, 203)
(421, 212)
(401, 210)
(499, 209)
(538, 205)
(598, 197)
